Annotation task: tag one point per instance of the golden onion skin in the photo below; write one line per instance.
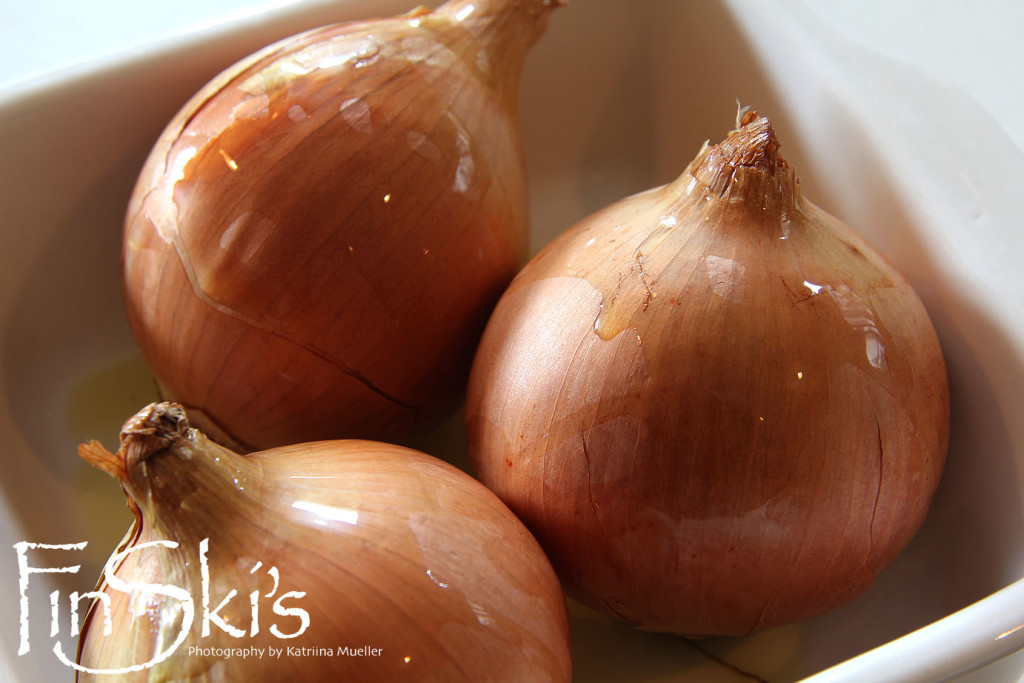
(391, 549)
(715, 405)
(316, 240)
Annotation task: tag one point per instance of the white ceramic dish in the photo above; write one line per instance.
(616, 98)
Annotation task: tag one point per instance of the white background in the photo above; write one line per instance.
(978, 45)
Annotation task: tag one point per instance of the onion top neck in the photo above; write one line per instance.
(153, 430)
(746, 171)
(501, 32)
(162, 461)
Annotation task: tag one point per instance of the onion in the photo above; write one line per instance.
(715, 405)
(316, 240)
(409, 563)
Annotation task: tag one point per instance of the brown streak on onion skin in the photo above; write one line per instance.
(765, 401)
(313, 256)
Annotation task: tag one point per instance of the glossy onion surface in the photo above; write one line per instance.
(715, 405)
(392, 550)
(316, 240)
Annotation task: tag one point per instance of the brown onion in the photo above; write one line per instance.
(316, 240)
(409, 563)
(715, 405)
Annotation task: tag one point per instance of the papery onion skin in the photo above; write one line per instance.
(392, 548)
(715, 405)
(317, 238)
